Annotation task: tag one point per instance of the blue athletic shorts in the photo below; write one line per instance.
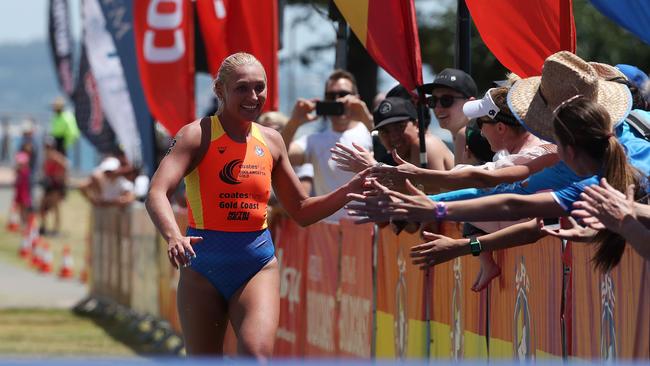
(229, 259)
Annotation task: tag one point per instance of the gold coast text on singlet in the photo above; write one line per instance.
(229, 189)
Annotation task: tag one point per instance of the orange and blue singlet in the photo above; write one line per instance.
(227, 194)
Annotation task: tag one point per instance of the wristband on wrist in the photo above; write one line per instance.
(441, 210)
(475, 246)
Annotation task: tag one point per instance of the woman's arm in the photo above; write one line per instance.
(305, 210)
(182, 156)
(440, 249)
(434, 181)
(384, 204)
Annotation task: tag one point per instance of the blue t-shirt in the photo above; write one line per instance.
(566, 185)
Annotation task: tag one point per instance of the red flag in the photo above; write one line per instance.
(388, 30)
(164, 38)
(230, 26)
(522, 34)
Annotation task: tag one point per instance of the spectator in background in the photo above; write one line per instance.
(635, 75)
(106, 187)
(22, 191)
(64, 126)
(396, 121)
(55, 168)
(449, 91)
(477, 147)
(351, 126)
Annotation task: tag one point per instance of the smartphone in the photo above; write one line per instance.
(327, 108)
(553, 223)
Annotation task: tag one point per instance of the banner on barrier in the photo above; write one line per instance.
(322, 284)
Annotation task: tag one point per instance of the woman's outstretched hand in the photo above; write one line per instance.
(438, 249)
(381, 204)
(575, 232)
(352, 160)
(394, 177)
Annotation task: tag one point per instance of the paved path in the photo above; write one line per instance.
(21, 287)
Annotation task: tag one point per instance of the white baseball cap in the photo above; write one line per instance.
(109, 164)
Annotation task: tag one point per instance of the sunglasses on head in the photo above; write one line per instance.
(446, 101)
(336, 95)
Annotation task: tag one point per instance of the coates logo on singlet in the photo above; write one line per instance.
(227, 174)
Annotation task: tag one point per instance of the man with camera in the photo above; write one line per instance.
(349, 120)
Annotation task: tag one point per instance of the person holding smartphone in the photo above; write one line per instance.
(349, 121)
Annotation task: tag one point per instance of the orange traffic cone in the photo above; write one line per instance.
(30, 235)
(37, 253)
(13, 222)
(66, 268)
(46, 259)
(25, 248)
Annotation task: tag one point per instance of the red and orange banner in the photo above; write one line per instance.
(164, 40)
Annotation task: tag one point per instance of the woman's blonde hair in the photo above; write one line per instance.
(586, 126)
(228, 66)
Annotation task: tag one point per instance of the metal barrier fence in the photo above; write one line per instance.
(351, 291)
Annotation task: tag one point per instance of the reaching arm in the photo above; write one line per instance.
(384, 204)
(434, 181)
(439, 248)
(305, 210)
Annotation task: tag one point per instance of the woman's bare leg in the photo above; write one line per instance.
(255, 312)
(203, 313)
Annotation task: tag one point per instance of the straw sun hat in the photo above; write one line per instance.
(532, 100)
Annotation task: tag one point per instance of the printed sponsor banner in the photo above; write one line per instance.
(230, 26)
(355, 311)
(119, 23)
(113, 90)
(61, 43)
(322, 280)
(526, 302)
(164, 39)
(88, 109)
(291, 251)
(610, 311)
(401, 327)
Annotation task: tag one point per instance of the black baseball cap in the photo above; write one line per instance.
(455, 79)
(393, 110)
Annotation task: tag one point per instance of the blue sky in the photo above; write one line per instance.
(22, 21)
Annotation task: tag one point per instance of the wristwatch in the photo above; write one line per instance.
(475, 246)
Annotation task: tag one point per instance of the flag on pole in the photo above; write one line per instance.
(111, 83)
(164, 39)
(633, 15)
(522, 34)
(231, 26)
(388, 30)
(61, 43)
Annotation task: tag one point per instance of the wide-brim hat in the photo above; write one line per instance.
(533, 100)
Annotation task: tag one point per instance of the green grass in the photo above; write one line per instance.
(35, 333)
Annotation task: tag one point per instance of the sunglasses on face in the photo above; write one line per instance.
(336, 95)
(482, 120)
(446, 101)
